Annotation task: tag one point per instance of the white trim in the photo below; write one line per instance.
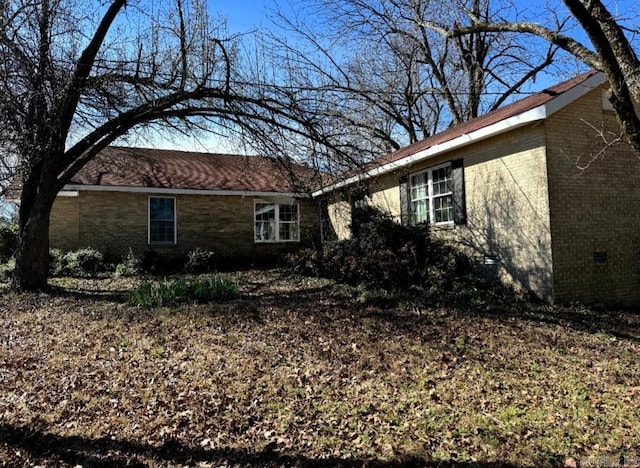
(579, 90)
(68, 193)
(175, 222)
(172, 191)
(532, 115)
(606, 104)
(277, 239)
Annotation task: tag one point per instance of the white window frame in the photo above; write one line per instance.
(175, 222)
(277, 223)
(430, 195)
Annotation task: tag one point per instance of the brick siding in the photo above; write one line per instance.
(113, 222)
(595, 209)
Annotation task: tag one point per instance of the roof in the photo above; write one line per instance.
(138, 168)
(533, 108)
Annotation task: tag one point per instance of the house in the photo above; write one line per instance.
(174, 201)
(542, 191)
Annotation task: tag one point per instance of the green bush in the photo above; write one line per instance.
(79, 263)
(130, 265)
(200, 261)
(169, 293)
(6, 270)
(56, 262)
(8, 241)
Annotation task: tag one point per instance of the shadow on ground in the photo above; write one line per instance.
(29, 447)
(324, 298)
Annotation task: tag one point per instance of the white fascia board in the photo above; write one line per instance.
(68, 193)
(170, 191)
(575, 93)
(533, 115)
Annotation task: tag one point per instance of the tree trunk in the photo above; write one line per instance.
(32, 256)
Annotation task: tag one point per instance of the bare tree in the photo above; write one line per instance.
(390, 73)
(75, 76)
(610, 50)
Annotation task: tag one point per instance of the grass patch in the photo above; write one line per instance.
(173, 292)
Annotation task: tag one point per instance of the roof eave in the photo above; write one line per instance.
(532, 115)
(174, 191)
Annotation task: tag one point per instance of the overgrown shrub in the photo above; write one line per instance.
(385, 255)
(79, 263)
(200, 261)
(84, 262)
(56, 262)
(6, 270)
(8, 241)
(131, 265)
(168, 293)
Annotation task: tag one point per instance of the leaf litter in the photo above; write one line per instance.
(300, 372)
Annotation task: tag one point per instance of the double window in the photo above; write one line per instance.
(162, 220)
(432, 196)
(276, 223)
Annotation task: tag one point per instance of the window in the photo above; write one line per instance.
(276, 223)
(432, 196)
(162, 220)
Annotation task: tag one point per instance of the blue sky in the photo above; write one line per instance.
(247, 15)
(242, 15)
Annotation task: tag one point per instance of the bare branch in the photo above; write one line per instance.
(564, 42)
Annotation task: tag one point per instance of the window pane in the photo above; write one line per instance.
(265, 212)
(265, 231)
(162, 220)
(420, 211)
(276, 222)
(442, 181)
(419, 186)
(443, 207)
(288, 231)
(288, 222)
(288, 212)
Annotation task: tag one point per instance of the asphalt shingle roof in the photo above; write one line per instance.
(170, 169)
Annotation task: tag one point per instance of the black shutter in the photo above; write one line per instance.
(459, 197)
(405, 206)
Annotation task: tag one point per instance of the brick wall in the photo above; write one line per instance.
(113, 222)
(64, 221)
(594, 209)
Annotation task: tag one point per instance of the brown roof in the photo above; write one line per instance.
(170, 169)
(518, 107)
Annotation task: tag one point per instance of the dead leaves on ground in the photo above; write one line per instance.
(298, 371)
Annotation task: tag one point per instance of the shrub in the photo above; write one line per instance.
(131, 265)
(8, 241)
(168, 293)
(84, 262)
(385, 255)
(200, 261)
(78, 263)
(6, 270)
(56, 262)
